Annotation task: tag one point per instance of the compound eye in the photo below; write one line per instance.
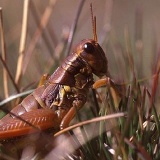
(88, 47)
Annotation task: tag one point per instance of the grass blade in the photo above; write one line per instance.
(3, 45)
(22, 42)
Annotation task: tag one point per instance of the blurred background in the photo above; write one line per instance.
(114, 20)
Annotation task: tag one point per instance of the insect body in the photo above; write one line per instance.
(55, 103)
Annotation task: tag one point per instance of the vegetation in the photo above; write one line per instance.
(119, 121)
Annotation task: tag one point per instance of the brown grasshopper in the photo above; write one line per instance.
(54, 104)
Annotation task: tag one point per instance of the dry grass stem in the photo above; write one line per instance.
(3, 45)
(22, 42)
(98, 119)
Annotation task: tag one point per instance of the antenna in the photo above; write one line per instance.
(93, 24)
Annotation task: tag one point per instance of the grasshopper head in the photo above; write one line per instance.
(90, 51)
